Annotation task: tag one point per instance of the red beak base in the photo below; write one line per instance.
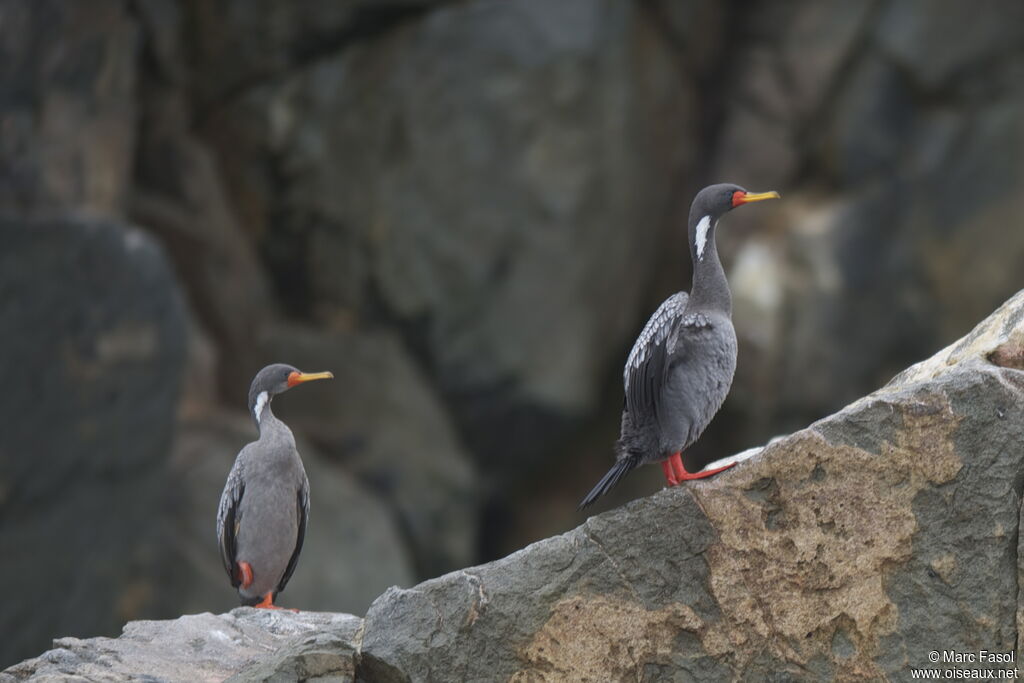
(297, 378)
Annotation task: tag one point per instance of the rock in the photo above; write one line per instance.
(941, 41)
(381, 419)
(91, 317)
(199, 394)
(327, 657)
(818, 39)
(757, 148)
(496, 204)
(445, 204)
(238, 43)
(180, 195)
(789, 287)
(68, 108)
(180, 198)
(353, 548)
(245, 645)
(904, 252)
(780, 85)
(875, 119)
(849, 549)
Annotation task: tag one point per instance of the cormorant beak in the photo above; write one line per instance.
(300, 377)
(739, 197)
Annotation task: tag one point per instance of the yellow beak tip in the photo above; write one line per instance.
(302, 377)
(319, 375)
(759, 196)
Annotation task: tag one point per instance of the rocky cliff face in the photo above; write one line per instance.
(848, 550)
(466, 210)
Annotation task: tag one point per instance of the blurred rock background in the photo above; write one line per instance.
(466, 211)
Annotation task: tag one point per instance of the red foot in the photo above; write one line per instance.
(243, 572)
(268, 603)
(670, 476)
(676, 463)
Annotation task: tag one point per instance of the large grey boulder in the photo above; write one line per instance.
(92, 333)
(851, 548)
(848, 550)
(245, 645)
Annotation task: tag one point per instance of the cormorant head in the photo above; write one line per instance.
(716, 200)
(712, 203)
(276, 379)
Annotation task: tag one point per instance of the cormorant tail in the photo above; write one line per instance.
(610, 479)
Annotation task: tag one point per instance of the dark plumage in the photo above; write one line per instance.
(261, 521)
(681, 366)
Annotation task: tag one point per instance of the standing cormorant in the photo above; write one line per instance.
(681, 366)
(261, 521)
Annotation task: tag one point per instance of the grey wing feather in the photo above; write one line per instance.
(695, 321)
(303, 507)
(650, 357)
(684, 327)
(227, 518)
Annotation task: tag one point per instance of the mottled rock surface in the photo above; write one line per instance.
(94, 348)
(244, 645)
(848, 550)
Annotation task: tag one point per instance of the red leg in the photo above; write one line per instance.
(243, 572)
(682, 475)
(675, 462)
(670, 476)
(268, 603)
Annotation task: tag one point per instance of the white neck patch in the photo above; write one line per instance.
(701, 239)
(261, 403)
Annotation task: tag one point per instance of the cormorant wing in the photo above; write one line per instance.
(666, 409)
(302, 500)
(649, 360)
(228, 519)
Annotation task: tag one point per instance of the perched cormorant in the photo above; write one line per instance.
(261, 521)
(681, 366)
